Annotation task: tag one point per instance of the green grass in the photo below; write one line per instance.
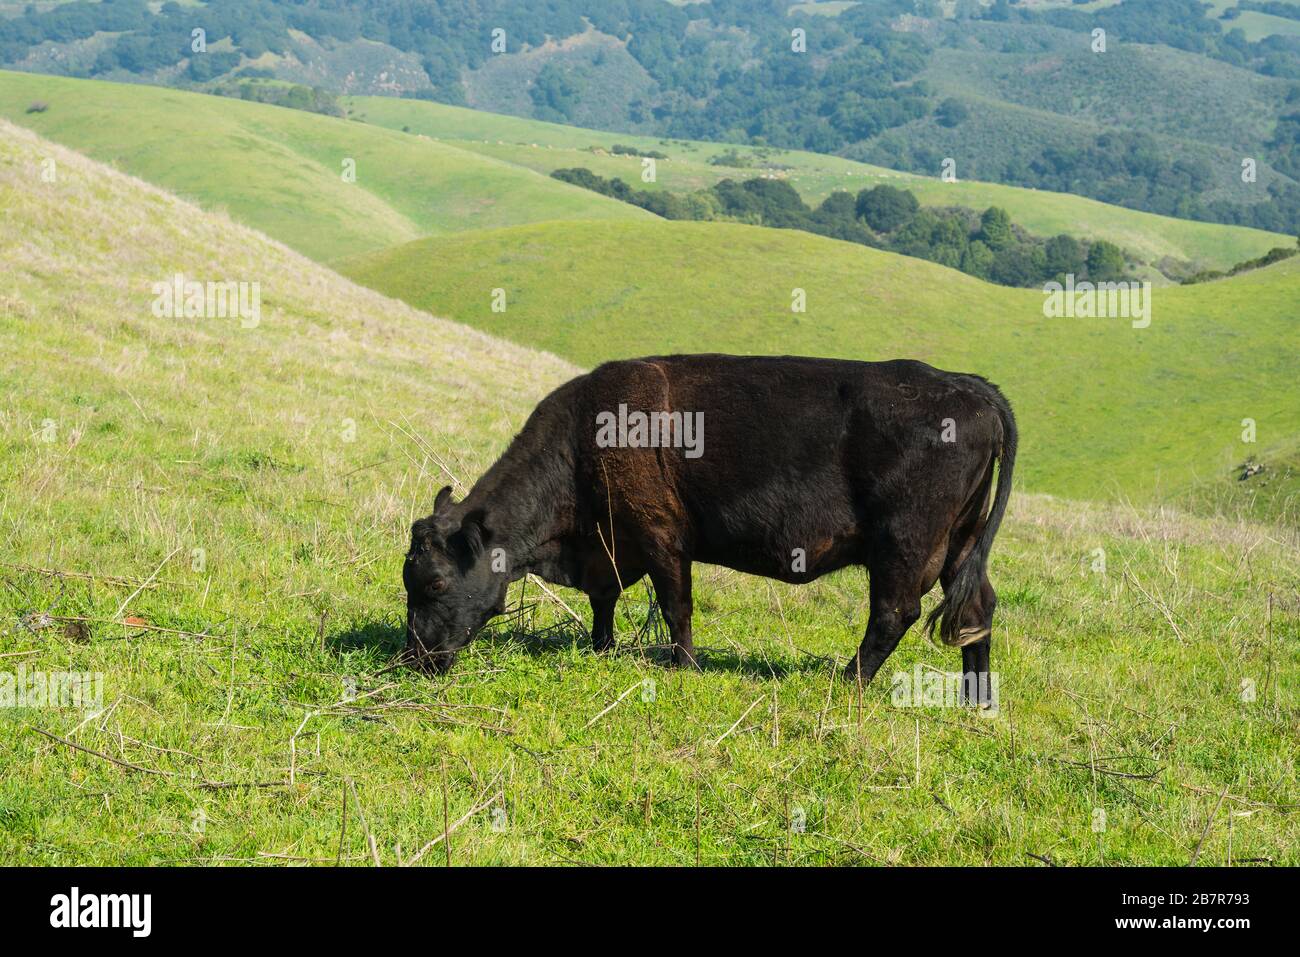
(548, 146)
(1106, 410)
(281, 170)
(1258, 25)
(166, 436)
(822, 8)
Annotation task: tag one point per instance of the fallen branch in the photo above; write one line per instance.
(1209, 822)
(122, 580)
(147, 582)
(99, 754)
(602, 714)
(558, 600)
(1149, 776)
(740, 719)
(480, 806)
(205, 785)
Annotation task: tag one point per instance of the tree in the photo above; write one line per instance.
(886, 208)
(977, 259)
(1064, 255)
(1105, 262)
(951, 112)
(838, 205)
(1018, 265)
(995, 228)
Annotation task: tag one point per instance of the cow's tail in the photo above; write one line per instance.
(965, 586)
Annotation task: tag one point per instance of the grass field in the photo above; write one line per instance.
(212, 517)
(1108, 410)
(548, 146)
(282, 171)
(1258, 25)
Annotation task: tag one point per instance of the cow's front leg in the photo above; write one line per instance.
(602, 621)
(672, 583)
(894, 609)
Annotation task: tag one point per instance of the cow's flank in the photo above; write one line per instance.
(790, 468)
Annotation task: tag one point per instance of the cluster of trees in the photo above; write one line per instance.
(740, 159)
(618, 149)
(1135, 170)
(151, 41)
(697, 205)
(988, 245)
(313, 99)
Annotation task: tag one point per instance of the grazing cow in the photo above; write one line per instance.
(786, 467)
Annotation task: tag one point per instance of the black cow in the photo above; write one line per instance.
(786, 467)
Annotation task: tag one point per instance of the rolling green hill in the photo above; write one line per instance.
(692, 165)
(211, 517)
(1106, 409)
(656, 286)
(281, 170)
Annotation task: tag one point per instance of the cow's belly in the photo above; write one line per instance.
(787, 561)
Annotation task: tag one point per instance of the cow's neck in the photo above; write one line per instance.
(527, 500)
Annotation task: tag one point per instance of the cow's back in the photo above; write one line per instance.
(790, 451)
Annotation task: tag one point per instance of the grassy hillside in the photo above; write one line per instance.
(212, 517)
(548, 146)
(281, 170)
(1202, 109)
(1106, 409)
(1219, 104)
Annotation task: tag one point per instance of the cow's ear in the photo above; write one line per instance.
(477, 534)
(443, 498)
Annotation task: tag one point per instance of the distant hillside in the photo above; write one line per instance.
(1106, 409)
(693, 164)
(283, 171)
(1158, 120)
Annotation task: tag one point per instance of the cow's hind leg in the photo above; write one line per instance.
(895, 607)
(969, 617)
(977, 683)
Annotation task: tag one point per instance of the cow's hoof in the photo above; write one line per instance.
(853, 674)
(685, 659)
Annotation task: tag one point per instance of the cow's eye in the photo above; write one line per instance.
(438, 584)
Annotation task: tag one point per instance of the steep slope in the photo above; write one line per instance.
(282, 171)
(205, 429)
(1106, 409)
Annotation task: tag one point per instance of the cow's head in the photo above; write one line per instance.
(451, 588)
